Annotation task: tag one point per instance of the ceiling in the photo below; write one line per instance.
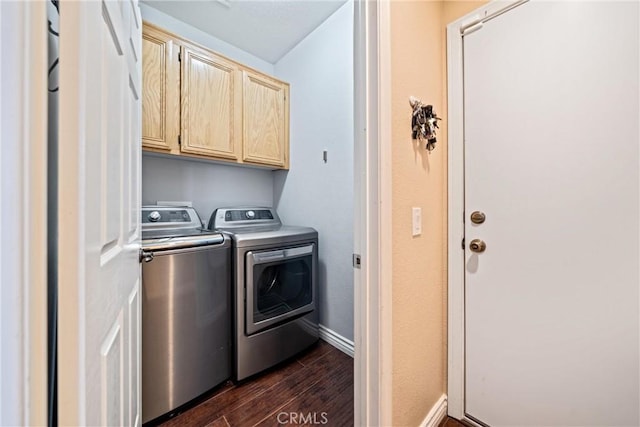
(267, 29)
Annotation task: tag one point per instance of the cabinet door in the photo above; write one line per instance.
(265, 120)
(160, 90)
(209, 116)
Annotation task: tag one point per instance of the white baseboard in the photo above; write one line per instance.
(338, 341)
(436, 414)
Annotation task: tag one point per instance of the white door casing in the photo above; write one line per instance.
(99, 213)
(372, 228)
(551, 156)
(23, 216)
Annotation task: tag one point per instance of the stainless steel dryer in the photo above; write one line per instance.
(276, 297)
(186, 313)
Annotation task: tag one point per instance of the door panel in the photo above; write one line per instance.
(208, 105)
(265, 120)
(113, 132)
(551, 158)
(99, 205)
(132, 391)
(134, 133)
(280, 284)
(112, 377)
(160, 90)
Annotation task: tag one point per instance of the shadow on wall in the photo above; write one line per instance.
(421, 152)
(318, 191)
(208, 186)
(322, 291)
(279, 181)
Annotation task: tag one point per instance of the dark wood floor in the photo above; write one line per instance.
(318, 383)
(450, 422)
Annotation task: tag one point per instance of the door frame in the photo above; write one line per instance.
(23, 229)
(372, 213)
(455, 207)
(23, 296)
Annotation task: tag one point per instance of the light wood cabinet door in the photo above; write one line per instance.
(265, 120)
(160, 90)
(199, 104)
(210, 105)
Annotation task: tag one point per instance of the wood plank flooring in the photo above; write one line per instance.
(451, 422)
(314, 387)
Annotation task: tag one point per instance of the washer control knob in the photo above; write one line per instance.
(154, 216)
(250, 214)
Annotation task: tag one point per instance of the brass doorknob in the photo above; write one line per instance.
(477, 245)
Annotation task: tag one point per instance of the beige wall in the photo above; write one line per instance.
(454, 9)
(418, 181)
(418, 68)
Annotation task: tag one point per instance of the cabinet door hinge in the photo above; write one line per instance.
(179, 140)
(179, 56)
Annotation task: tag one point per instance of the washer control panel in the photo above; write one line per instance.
(154, 216)
(157, 217)
(168, 215)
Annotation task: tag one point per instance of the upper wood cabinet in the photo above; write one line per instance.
(210, 121)
(265, 120)
(160, 90)
(200, 104)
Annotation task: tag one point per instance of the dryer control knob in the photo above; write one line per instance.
(250, 214)
(154, 216)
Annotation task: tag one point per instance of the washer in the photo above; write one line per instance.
(275, 301)
(186, 312)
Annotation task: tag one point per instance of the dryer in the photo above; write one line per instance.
(275, 296)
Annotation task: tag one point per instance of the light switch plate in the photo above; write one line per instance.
(416, 228)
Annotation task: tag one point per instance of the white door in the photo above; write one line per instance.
(99, 208)
(552, 159)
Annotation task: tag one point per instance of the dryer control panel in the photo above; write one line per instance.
(224, 218)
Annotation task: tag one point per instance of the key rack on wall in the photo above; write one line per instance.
(424, 122)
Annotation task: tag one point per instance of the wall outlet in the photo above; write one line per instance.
(416, 228)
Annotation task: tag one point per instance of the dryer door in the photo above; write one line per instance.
(280, 285)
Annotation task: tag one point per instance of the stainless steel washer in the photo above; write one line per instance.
(275, 301)
(186, 315)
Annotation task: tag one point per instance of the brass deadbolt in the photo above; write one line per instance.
(477, 246)
(478, 217)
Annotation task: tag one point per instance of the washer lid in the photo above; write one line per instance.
(171, 243)
(181, 232)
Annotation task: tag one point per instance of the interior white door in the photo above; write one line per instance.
(552, 159)
(99, 211)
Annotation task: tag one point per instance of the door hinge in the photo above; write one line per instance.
(179, 56)
(357, 261)
(471, 27)
(463, 243)
(179, 140)
(478, 21)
